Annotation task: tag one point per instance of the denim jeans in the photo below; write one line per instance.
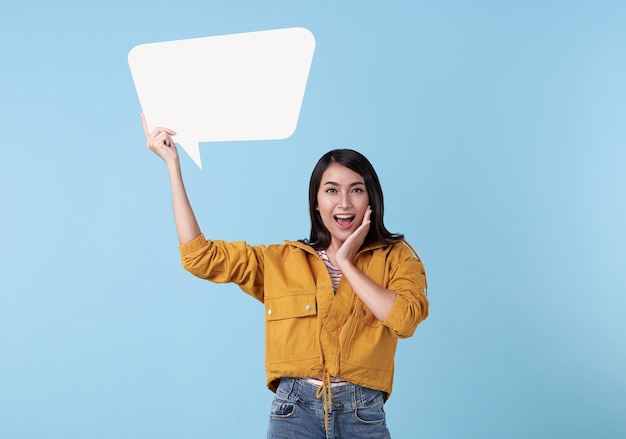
(356, 412)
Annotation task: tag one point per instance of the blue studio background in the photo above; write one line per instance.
(498, 131)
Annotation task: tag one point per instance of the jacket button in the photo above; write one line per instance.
(269, 312)
(322, 287)
(308, 307)
(363, 312)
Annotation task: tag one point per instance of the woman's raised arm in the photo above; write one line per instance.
(160, 142)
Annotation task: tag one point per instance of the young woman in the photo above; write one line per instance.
(335, 304)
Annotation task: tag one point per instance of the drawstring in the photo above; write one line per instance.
(324, 391)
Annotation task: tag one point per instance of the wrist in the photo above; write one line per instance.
(343, 264)
(173, 164)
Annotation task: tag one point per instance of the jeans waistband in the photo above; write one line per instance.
(346, 397)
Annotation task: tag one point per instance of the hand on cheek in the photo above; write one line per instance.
(351, 246)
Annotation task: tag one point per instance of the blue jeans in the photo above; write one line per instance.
(356, 412)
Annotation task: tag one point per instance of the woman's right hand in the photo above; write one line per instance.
(160, 142)
(162, 145)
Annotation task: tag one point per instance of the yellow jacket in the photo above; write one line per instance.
(309, 330)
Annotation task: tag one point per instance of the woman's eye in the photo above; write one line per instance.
(357, 190)
(331, 191)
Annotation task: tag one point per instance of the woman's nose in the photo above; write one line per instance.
(345, 201)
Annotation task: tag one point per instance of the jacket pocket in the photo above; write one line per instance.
(291, 323)
(370, 343)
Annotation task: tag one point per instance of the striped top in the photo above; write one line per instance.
(335, 273)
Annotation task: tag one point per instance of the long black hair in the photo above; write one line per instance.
(320, 236)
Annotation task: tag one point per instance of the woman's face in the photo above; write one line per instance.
(341, 201)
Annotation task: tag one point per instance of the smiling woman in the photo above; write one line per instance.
(335, 304)
(363, 174)
(342, 202)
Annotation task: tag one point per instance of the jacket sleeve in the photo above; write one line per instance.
(408, 280)
(221, 262)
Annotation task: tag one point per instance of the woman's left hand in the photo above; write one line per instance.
(349, 248)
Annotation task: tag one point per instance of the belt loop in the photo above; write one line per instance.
(292, 383)
(298, 384)
(361, 396)
(355, 396)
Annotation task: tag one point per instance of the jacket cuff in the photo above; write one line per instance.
(397, 314)
(192, 246)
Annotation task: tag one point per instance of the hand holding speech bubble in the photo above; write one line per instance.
(246, 86)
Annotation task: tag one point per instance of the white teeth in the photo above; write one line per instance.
(344, 216)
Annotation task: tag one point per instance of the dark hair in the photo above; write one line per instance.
(320, 236)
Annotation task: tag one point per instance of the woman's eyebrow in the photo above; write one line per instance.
(356, 183)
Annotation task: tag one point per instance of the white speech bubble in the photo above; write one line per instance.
(246, 86)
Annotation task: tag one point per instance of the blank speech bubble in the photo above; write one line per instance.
(246, 86)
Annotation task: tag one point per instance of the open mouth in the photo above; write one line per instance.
(344, 220)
